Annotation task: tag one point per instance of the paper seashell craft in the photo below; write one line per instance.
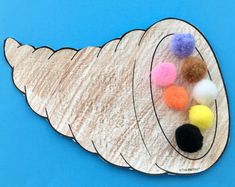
(132, 101)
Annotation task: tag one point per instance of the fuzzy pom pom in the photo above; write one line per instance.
(193, 69)
(201, 116)
(182, 45)
(189, 138)
(205, 92)
(176, 97)
(163, 74)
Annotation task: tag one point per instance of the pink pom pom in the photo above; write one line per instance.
(163, 74)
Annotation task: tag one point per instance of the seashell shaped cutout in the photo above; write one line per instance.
(102, 97)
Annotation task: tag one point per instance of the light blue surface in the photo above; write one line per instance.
(32, 154)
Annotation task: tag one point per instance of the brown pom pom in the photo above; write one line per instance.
(193, 69)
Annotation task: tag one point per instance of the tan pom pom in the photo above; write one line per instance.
(193, 69)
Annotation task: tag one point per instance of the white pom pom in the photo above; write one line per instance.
(205, 92)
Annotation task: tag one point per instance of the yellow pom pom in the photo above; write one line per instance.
(201, 116)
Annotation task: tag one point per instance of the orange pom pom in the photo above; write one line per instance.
(176, 97)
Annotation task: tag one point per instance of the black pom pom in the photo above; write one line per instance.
(189, 138)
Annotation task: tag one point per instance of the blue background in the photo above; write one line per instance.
(32, 154)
